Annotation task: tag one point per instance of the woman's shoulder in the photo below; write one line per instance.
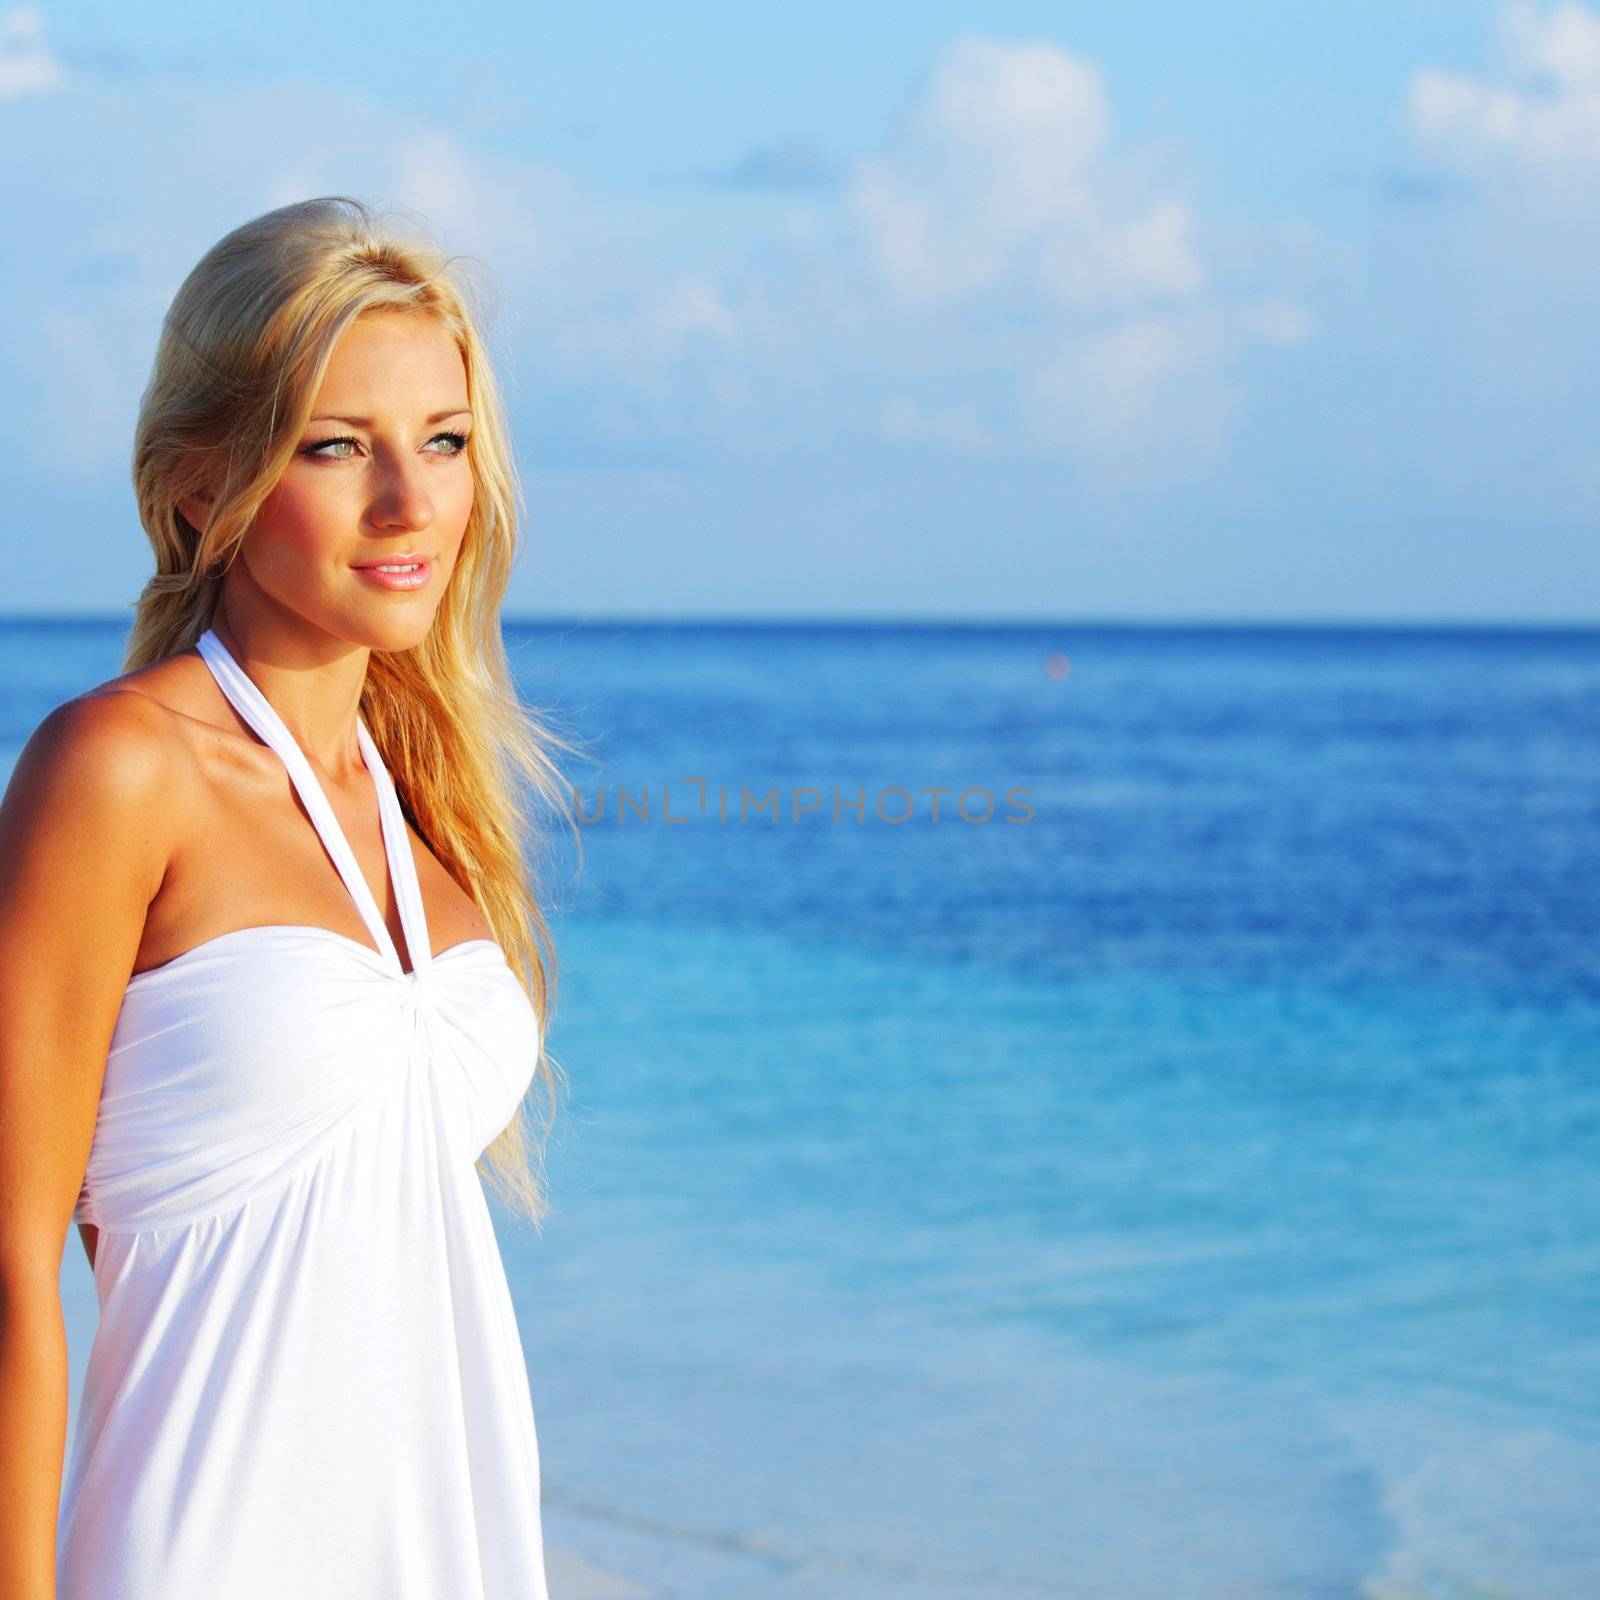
(116, 757)
(93, 814)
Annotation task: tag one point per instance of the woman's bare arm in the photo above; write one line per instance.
(85, 831)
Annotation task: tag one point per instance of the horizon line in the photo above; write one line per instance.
(754, 620)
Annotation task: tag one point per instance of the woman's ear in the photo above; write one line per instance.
(196, 509)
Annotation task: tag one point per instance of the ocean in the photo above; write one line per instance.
(1167, 1174)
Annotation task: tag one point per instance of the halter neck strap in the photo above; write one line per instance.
(251, 704)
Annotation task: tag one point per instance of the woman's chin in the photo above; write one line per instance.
(396, 622)
(394, 637)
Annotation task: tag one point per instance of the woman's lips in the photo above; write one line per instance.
(406, 573)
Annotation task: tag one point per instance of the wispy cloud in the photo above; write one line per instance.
(1478, 321)
(1535, 111)
(27, 64)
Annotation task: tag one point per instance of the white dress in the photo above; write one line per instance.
(307, 1381)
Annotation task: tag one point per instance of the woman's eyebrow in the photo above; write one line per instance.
(366, 422)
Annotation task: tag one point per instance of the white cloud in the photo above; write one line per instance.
(1538, 108)
(1560, 46)
(1466, 372)
(27, 64)
(1001, 199)
(1001, 176)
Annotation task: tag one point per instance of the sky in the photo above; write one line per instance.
(1240, 312)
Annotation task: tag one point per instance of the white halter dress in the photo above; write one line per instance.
(307, 1381)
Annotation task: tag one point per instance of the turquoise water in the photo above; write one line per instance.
(1188, 1192)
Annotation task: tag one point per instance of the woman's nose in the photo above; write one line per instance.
(403, 500)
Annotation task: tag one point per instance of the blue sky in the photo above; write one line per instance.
(1153, 311)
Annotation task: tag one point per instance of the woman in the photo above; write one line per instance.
(274, 976)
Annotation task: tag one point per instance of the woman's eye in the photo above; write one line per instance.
(343, 447)
(325, 445)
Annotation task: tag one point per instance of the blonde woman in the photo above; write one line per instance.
(274, 977)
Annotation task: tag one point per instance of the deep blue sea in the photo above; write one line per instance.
(1187, 1191)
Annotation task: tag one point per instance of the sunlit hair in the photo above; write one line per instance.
(241, 356)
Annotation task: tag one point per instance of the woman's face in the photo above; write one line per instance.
(380, 479)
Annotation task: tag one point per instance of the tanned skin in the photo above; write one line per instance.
(144, 817)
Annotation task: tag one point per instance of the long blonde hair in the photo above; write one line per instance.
(242, 353)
